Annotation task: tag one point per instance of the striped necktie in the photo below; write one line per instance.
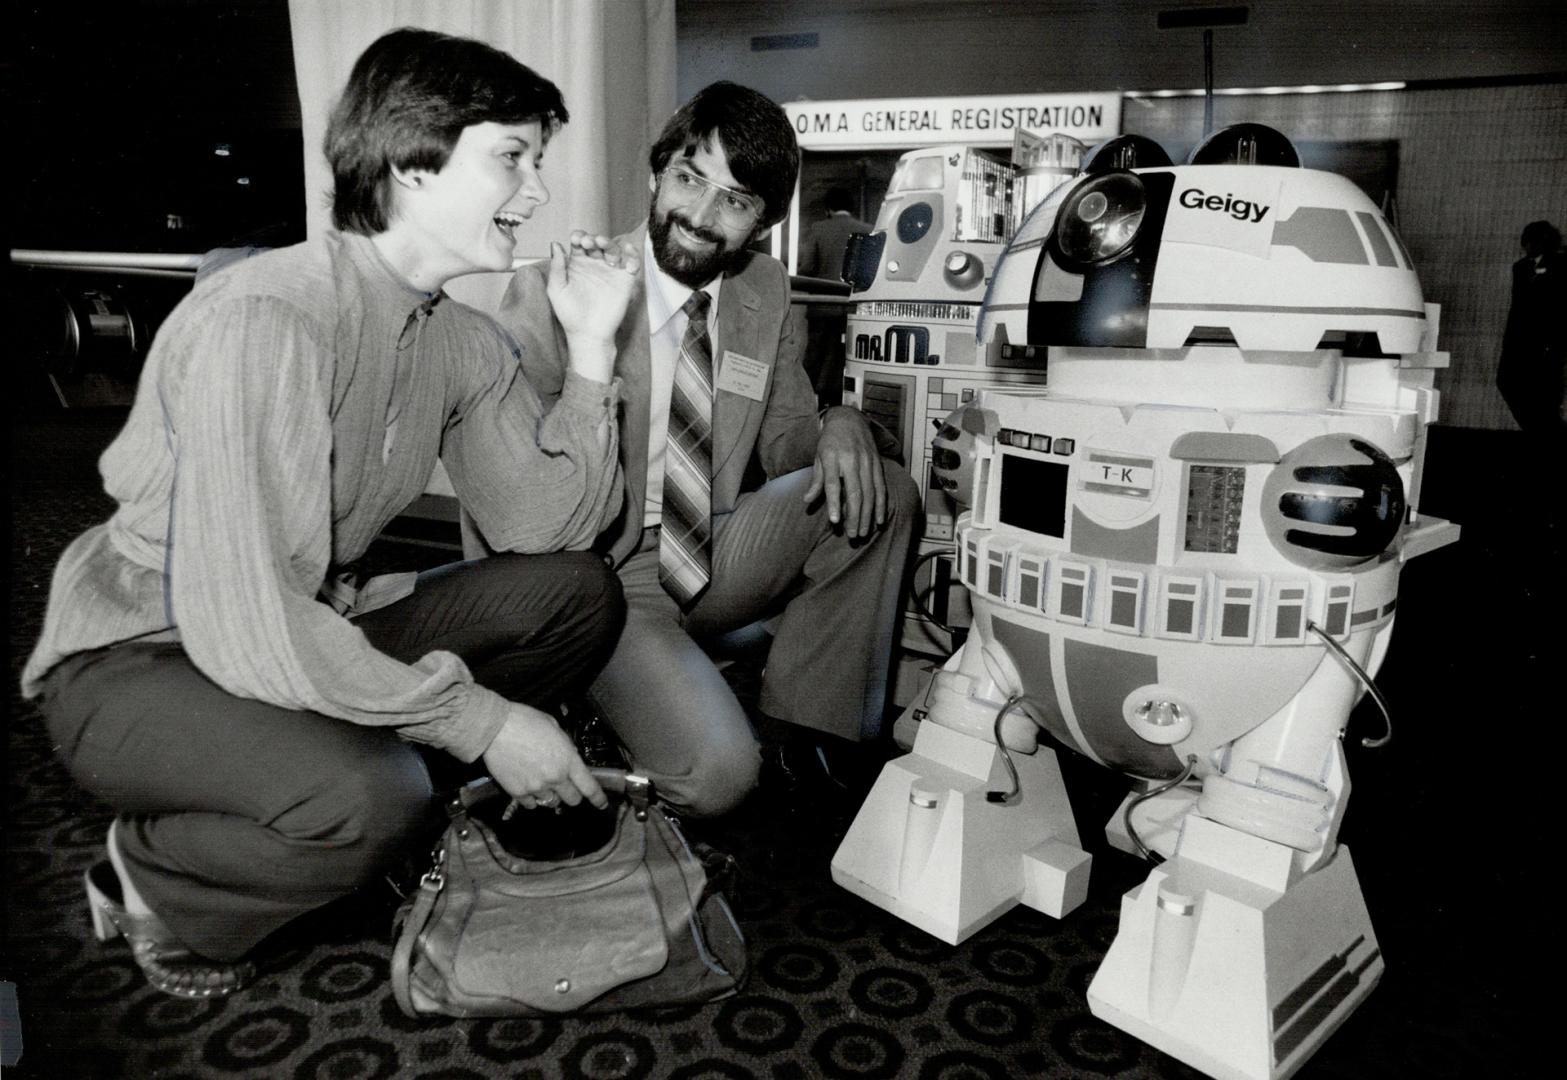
(685, 540)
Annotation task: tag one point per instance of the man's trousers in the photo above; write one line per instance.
(836, 602)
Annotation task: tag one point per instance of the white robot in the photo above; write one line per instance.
(919, 277)
(1182, 556)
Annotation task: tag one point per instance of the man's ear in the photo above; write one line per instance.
(652, 183)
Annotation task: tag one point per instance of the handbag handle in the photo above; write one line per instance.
(637, 790)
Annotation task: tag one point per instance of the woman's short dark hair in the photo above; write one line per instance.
(756, 136)
(408, 99)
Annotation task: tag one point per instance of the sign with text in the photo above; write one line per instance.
(991, 120)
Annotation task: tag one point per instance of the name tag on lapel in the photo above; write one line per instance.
(742, 375)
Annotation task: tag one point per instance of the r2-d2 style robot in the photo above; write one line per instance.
(1182, 556)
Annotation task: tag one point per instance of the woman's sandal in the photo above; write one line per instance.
(168, 965)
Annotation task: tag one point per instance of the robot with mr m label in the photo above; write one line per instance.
(1182, 557)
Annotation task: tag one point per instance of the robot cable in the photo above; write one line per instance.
(919, 599)
(1006, 755)
(1365, 680)
(1011, 795)
(1133, 804)
(1008, 796)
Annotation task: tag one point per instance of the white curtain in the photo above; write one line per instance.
(614, 61)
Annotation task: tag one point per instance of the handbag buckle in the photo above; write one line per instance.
(435, 877)
(639, 793)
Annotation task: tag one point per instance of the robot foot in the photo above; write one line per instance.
(931, 846)
(1235, 979)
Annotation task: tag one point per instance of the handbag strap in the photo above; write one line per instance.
(412, 924)
(635, 788)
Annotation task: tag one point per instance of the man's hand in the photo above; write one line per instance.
(849, 470)
(590, 287)
(537, 765)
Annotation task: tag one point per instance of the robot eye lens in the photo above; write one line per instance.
(1100, 220)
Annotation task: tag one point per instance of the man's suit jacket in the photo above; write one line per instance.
(821, 255)
(754, 320)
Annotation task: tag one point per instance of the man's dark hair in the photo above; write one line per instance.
(756, 136)
(1541, 232)
(408, 99)
(838, 199)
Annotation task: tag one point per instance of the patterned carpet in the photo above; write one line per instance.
(840, 988)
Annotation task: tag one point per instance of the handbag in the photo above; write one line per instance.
(637, 921)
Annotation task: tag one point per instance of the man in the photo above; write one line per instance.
(821, 256)
(712, 343)
(1531, 371)
(821, 252)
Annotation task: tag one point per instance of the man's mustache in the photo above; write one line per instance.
(712, 236)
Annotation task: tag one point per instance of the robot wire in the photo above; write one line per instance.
(918, 598)
(1133, 804)
(1365, 680)
(1005, 797)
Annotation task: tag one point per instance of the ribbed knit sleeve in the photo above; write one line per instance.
(532, 480)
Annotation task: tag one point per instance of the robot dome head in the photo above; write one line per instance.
(1238, 247)
(1103, 215)
(1332, 503)
(953, 453)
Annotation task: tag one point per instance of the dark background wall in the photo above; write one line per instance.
(116, 111)
(900, 48)
(1480, 140)
(151, 125)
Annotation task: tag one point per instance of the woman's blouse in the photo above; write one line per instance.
(290, 407)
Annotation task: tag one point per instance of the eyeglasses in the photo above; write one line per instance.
(735, 208)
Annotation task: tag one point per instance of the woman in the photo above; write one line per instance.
(210, 665)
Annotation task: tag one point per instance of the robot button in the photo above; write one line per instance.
(924, 795)
(1155, 718)
(1160, 713)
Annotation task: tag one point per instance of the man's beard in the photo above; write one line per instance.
(691, 269)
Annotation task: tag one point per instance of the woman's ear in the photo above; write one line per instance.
(408, 178)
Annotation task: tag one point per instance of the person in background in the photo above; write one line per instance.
(1532, 371)
(709, 355)
(821, 256)
(821, 252)
(212, 666)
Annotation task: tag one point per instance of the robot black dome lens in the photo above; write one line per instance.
(1125, 152)
(915, 222)
(1333, 502)
(1246, 144)
(1100, 219)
